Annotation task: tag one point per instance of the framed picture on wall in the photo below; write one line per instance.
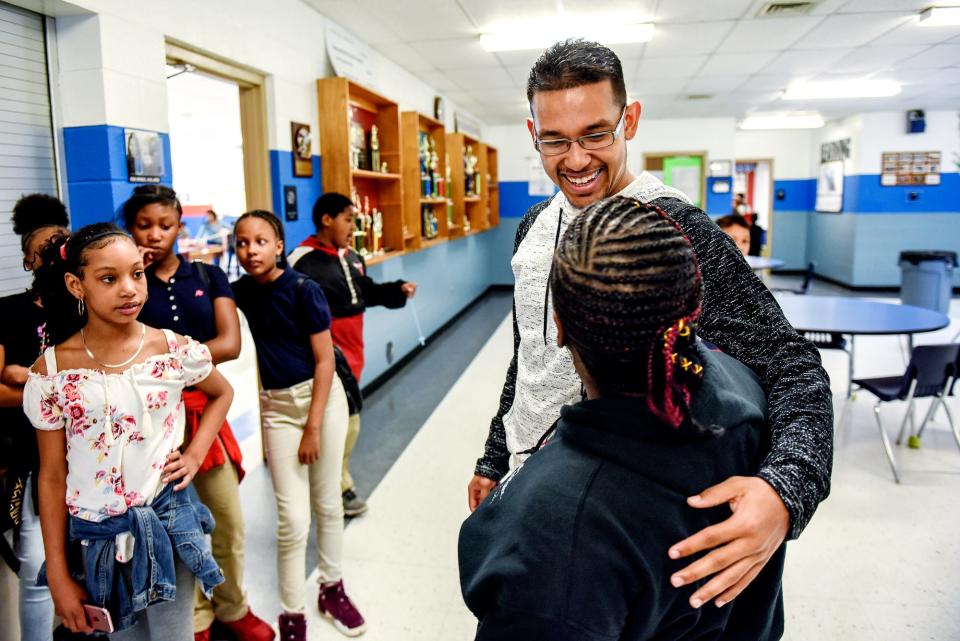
(302, 145)
(830, 187)
(145, 158)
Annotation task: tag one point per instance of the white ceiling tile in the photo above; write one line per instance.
(767, 34)
(774, 82)
(736, 63)
(406, 56)
(866, 59)
(406, 18)
(704, 10)
(933, 58)
(687, 39)
(714, 84)
(439, 80)
(870, 6)
(523, 58)
(455, 53)
(827, 7)
(485, 78)
(656, 86)
(849, 30)
(669, 67)
(911, 33)
(804, 61)
(489, 14)
(743, 97)
(499, 97)
(520, 74)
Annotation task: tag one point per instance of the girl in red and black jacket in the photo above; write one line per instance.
(327, 258)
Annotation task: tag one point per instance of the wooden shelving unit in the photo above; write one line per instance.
(493, 188)
(472, 209)
(413, 126)
(342, 102)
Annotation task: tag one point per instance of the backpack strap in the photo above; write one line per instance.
(203, 273)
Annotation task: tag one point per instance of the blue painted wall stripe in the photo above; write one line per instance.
(515, 198)
(798, 195)
(97, 179)
(308, 190)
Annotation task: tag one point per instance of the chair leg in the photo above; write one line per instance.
(886, 442)
(934, 405)
(908, 416)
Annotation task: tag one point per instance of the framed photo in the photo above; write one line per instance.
(302, 145)
(145, 157)
(830, 187)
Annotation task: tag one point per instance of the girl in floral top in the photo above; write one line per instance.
(106, 401)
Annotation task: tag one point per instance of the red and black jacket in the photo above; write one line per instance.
(342, 274)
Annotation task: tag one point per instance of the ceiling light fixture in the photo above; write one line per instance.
(799, 120)
(540, 34)
(940, 17)
(842, 89)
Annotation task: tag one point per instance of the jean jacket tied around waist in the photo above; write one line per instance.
(173, 522)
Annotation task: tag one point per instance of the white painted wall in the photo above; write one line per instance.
(790, 150)
(112, 58)
(886, 131)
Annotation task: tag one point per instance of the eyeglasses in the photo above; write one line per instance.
(599, 140)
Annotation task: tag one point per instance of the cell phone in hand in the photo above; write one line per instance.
(98, 618)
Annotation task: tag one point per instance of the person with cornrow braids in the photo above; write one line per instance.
(581, 120)
(570, 545)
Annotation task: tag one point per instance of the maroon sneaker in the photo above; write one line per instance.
(293, 627)
(202, 636)
(335, 605)
(249, 627)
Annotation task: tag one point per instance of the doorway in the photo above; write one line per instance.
(753, 178)
(680, 170)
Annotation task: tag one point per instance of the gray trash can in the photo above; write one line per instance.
(927, 278)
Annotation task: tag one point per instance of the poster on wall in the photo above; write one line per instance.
(910, 168)
(144, 156)
(540, 183)
(686, 174)
(349, 56)
(830, 187)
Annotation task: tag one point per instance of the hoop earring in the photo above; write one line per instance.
(81, 307)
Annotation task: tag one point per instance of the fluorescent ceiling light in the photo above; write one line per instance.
(542, 34)
(782, 121)
(940, 17)
(842, 89)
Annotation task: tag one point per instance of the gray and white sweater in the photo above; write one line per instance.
(739, 315)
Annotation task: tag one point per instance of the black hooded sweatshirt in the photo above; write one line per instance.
(573, 545)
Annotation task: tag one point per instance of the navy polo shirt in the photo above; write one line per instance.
(282, 316)
(185, 303)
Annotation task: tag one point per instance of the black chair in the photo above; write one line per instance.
(804, 287)
(940, 401)
(929, 373)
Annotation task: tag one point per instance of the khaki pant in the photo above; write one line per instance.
(9, 603)
(219, 489)
(304, 489)
(353, 431)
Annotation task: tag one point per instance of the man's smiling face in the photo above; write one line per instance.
(584, 176)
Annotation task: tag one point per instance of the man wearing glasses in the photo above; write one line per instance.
(580, 123)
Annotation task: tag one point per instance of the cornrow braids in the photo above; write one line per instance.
(273, 221)
(627, 289)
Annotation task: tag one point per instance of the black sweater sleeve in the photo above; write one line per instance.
(495, 461)
(387, 294)
(742, 318)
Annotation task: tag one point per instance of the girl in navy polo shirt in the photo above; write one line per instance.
(304, 414)
(194, 299)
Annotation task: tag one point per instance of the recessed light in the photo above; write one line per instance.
(797, 120)
(842, 89)
(940, 17)
(540, 35)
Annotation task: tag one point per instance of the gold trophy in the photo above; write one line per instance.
(374, 149)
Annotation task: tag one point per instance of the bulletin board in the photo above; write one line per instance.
(910, 168)
(686, 174)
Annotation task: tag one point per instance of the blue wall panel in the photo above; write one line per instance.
(789, 236)
(879, 239)
(831, 240)
(865, 194)
(798, 195)
(308, 190)
(515, 199)
(97, 180)
(449, 276)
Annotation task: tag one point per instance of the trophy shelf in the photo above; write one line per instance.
(354, 149)
(425, 181)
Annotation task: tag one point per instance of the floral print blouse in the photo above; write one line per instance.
(120, 427)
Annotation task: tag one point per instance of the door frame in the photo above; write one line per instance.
(768, 246)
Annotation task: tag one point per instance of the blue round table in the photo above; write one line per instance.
(837, 315)
(763, 262)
